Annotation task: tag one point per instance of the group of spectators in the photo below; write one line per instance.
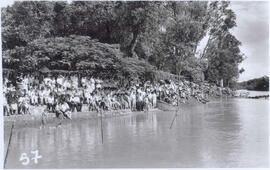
(65, 94)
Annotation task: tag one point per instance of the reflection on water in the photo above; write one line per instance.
(228, 133)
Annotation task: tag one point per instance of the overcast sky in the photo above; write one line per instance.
(252, 30)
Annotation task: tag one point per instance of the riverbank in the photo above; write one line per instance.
(251, 94)
(36, 114)
(37, 119)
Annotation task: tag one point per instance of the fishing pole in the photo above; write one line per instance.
(9, 141)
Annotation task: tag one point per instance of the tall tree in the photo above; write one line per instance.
(26, 21)
(135, 19)
(222, 49)
(186, 26)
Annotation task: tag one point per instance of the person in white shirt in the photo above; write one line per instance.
(83, 81)
(140, 99)
(59, 81)
(154, 99)
(41, 96)
(150, 97)
(24, 105)
(75, 102)
(133, 100)
(146, 103)
(74, 81)
(34, 97)
(6, 106)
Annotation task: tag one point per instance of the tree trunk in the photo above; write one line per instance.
(205, 48)
(195, 49)
(221, 83)
(133, 43)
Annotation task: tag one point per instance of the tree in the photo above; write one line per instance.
(164, 34)
(224, 60)
(222, 49)
(26, 21)
(135, 19)
(185, 27)
(220, 19)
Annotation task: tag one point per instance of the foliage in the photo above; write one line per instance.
(158, 37)
(185, 28)
(26, 21)
(77, 53)
(258, 84)
(222, 50)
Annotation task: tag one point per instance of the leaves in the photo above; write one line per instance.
(95, 36)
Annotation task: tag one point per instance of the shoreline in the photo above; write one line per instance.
(36, 119)
(50, 119)
(36, 116)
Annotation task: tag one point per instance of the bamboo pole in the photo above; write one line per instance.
(178, 108)
(9, 141)
(175, 115)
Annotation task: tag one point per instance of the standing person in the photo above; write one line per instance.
(58, 112)
(146, 103)
(21, 109)
(91, 103)
(127, 101)
(72, 103)
(133, 100)
(13, 102)
(50, 102)
(34, 97)
(6, 106)
(41, 94)
(65, 109)
(102, 104)
(150, 97)
(78, 100)
(140, 99)
(154, 99)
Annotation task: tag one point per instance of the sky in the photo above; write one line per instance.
(252, 19)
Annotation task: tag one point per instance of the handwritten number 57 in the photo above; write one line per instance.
(26, 160)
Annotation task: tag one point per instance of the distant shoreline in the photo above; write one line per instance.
(252, 94)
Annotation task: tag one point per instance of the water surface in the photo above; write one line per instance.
(225, 133)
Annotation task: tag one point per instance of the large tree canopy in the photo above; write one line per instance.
(104, 37)
(75, 53)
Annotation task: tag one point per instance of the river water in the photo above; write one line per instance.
(223, 133)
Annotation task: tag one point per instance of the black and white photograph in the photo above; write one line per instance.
(134, 84)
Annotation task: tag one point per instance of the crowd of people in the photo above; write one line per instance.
(63, 95)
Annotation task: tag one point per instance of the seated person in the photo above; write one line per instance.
(62, 109)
